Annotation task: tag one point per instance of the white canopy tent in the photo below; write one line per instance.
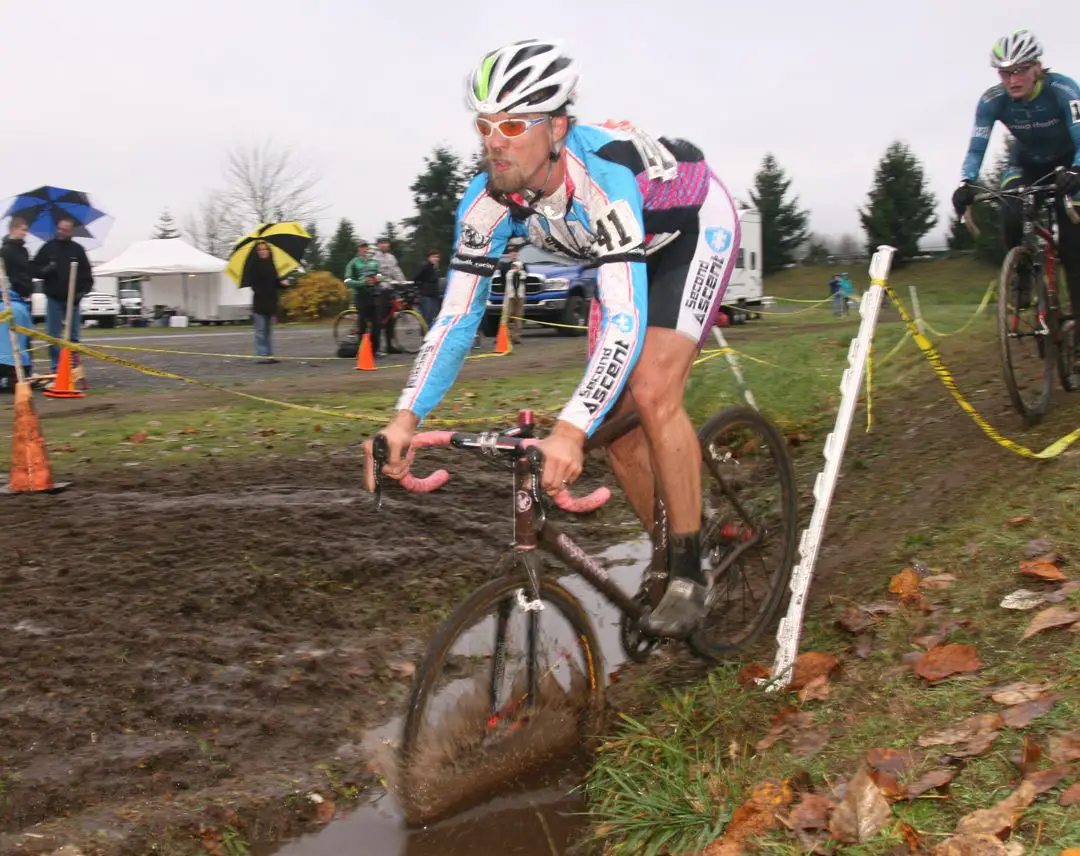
(179, 276)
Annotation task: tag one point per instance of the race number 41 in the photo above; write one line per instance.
(616, 229)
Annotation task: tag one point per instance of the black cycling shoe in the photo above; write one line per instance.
(680, 611)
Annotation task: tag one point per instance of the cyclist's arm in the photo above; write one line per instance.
(1068, 94)
(469, 280)
(622, 290)
(985, 116)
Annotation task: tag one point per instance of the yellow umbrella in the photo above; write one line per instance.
(287, 241)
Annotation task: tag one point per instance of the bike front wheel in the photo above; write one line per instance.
(471, 727)
(409, 331)
(346, 325)
(1025, 340)
(749, 529)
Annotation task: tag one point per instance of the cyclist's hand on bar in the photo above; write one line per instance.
(564, 457)
(398, 433)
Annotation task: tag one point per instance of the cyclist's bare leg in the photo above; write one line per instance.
(632, 464)
(671, 451)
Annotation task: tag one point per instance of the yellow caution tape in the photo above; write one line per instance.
(376, 419)
(982, 307)
(6, 315)
(549, 323)
(932, 355)
(207, 353)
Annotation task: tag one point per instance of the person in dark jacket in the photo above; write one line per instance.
(261, 276)
(21, 272)
(55, 259)
(427, 287)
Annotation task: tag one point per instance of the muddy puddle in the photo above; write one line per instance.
(535, 818)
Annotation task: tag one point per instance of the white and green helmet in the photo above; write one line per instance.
(524, 77)
(1017, 47)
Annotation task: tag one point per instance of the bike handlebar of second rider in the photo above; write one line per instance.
(491, 443)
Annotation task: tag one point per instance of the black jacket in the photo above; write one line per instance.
(55, 259)
(21, 271)
(427, 280)
(262, 278)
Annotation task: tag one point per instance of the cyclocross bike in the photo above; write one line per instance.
(409, 327)
(468, 718)
(1037, 339)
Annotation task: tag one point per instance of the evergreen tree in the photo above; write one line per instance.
(315, 255)
(783, 223)
(436, 193)
(166, 226)
(900, 208)
(342, 248)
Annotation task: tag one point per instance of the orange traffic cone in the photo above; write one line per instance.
(30, 468)
(365, 357)
(64, 386)
(502, 340)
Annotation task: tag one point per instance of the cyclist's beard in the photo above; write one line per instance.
(511, 180)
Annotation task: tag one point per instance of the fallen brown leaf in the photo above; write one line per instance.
(882, 608)
(942, 633)
(781, 722)
(1072, 851)
(1022, 715)
(1000, 819)
(932, 780)
(1017, 692)
(863, 645)
(1060, 594)
(324, 811)
(139, 437)
(906, 584)
(755, 817)
(1029, 756)
(978, 745)
(1071, 796)
(886, 760)
(1042, 570)
(815, 690)
(855, 619)
(943, 661)
(1019, 521)
(751, 672)
(1065, 747)
(863, 812)
(1046, 780)
(970, 845)
(910, 836)
(890, 788)
(812, 664)
(1055, 616)
(1023, 600)
(981, 723)
(808, 742)
(812, 812)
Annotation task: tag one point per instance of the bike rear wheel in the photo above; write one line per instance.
(345, 325)
(409, 331)
(749, 492)
(1027, 344)
(487, 740)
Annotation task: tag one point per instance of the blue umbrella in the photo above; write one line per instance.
(44, 206)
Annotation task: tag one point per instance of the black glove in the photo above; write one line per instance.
(1068, 181)
(962, 197)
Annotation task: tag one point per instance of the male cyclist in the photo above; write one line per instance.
(1042, 110)
(664, 234)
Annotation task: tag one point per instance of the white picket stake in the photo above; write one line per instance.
(919, 323)
(736, 369)
(791, 625)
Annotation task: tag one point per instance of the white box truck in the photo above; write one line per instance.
(745, 291)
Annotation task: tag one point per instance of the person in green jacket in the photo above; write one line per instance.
(362, 278)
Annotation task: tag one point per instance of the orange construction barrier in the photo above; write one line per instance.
(30, 468)
(64, 385)
(365, 357)
(502, 340)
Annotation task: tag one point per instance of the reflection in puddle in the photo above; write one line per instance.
(540, 820)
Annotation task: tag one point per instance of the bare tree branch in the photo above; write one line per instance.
(264, 185)
(213, 228)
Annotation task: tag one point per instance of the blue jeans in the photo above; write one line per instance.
(55, 315)
(429, 309)
(264, 347)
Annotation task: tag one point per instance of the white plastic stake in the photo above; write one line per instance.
(736, 369)
(915, 307)
(791, 625)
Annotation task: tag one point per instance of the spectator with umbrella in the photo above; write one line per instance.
(70, 223)
(261, 261)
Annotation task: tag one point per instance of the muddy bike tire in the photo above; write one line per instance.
(475, 607)
(718, 650)
(346, 322)
(1031, 408)
(409, 331)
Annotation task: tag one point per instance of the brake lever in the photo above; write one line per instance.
(380, 453)
(536, 463)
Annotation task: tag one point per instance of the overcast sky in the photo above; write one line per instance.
(138, 102)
